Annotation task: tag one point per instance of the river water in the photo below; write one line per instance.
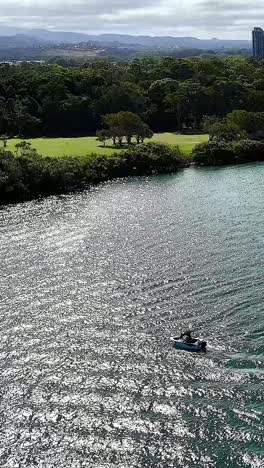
(92, 287)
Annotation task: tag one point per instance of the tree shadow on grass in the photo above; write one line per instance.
(124, 146)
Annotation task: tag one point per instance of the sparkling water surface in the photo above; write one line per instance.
(92, 287)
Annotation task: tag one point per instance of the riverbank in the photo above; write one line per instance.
(28, 175)
(220, 153)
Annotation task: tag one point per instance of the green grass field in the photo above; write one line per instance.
(60, 147)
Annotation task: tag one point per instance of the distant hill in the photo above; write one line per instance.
(121, 39)
(61, 37)
(19, 41)
(45, 35)
(168, 41)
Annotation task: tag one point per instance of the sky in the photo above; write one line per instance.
(224, 19)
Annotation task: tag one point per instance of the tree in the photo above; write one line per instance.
(208, 121)
(102, 136)
(225, 131)
(24, 121)
(24, 148)
(4, 139)
(250, 122)
(126, 125)
(143, 133)
(161, 88)
(177, 104)
(214, 153)
(242, 119)
(120, 97)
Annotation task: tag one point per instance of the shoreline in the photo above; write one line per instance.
(28, 175)
(90, 186)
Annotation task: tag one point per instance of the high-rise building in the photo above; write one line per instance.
(258, 42)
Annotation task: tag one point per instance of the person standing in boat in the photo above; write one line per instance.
(187, 337)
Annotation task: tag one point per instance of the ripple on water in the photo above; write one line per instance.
(92, 287)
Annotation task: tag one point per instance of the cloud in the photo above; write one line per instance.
(61, 8)
(202, 18)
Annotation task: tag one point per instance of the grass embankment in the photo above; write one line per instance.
(60, 147)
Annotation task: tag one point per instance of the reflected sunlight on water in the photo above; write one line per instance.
(92, 287)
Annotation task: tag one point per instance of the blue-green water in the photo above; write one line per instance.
(92, 287)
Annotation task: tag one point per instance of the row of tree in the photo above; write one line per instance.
(124, 126)
(168, 94)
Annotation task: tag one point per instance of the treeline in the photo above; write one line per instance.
(26, 175)
(133, 53)
(168, 94)
(236, 125)
(221, 152)
(235, 139)
(68, 56)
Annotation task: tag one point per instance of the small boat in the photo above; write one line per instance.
(197, 346)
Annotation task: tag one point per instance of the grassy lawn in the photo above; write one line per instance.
(185, 142)
(60, 147)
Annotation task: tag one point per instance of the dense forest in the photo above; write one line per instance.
(168, 94)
